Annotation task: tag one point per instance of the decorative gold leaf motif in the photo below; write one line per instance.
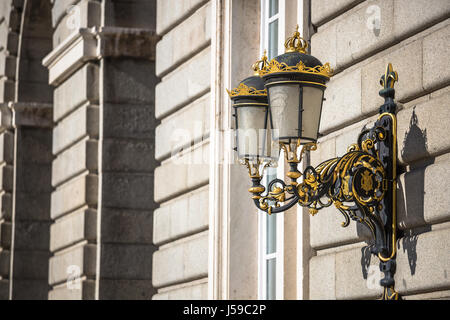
(275, 67)
(366, 181)
(243, 90)
(345, 186)
(367, 144)
(278, 194)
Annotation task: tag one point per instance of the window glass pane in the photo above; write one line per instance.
(271, 233)
(273, 7)
(271, 279)
(271, 173)
(273, 39)
(271, 220)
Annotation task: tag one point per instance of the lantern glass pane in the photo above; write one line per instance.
(312, 107)
(284, 108)
(251, 132)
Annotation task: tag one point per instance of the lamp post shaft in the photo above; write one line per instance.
(387, 150)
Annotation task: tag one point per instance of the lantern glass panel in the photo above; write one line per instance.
(284, 108)
(251, 131)
(312, 108)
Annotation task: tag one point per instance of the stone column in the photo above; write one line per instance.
(103, 73)
(126, 159)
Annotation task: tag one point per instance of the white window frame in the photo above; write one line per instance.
(262, 222)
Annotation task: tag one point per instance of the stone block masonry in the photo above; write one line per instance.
(182, 104)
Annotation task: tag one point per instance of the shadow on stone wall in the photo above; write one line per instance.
(411, 195)
(365, 260)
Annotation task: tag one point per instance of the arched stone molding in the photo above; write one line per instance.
(26, 120)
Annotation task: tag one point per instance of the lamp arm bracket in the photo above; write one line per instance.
(356, 183)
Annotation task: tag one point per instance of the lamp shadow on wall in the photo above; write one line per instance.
(410, 195)
(411, 190)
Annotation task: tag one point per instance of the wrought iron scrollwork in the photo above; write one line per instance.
(355, 183)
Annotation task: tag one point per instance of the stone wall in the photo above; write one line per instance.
(182, 109)
(359, 38)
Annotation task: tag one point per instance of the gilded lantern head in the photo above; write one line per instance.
(251, 116)
(295, 83)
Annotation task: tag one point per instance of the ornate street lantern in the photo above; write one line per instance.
(361, 184)
(253, 143)
(250, 113)
(295, 82)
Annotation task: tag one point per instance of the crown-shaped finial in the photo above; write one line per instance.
(296, 43)
(257, 67)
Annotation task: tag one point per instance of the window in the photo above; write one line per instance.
(271, 228)
(272, 27)
(270, 250)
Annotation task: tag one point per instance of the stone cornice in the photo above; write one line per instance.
(18, 114)
(90, 44)
(126, 42)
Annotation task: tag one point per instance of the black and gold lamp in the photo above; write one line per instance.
(361, 184)
(295, 83)
(251, 113)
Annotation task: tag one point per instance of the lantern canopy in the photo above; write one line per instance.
(295, 83)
